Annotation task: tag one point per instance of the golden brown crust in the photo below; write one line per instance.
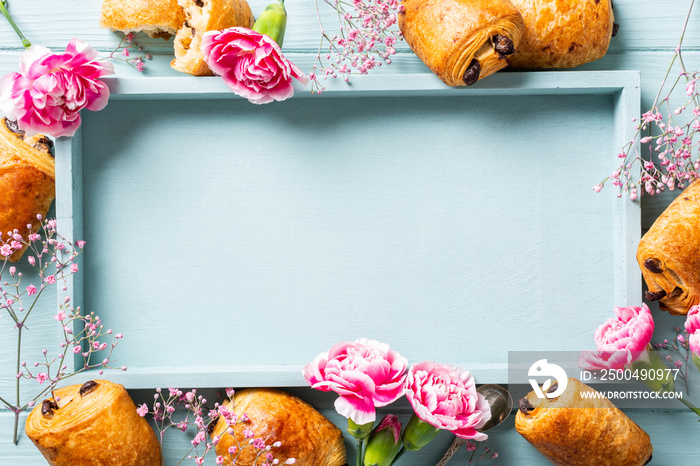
(214, 15)
(669, 254)
(447, 34)
(27, 184)
(576, 431)
(95, 426)
(276, 416)
(157, 18)
(563, 33)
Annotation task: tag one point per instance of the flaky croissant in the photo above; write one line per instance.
(27, 181)
(578, 430)
(94, 424)
(202, 16)
(275, 416)
(669, 254)
(462, 41)
(563, 33)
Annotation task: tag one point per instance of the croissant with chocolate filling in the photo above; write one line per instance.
(576, 431)
(202, 16)
(94, 424)
(27, 181)
(157, 18)
(563, 33)
(669, 254)
(275, 416)
(462, 41)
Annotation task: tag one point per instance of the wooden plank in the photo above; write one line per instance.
(303, 32)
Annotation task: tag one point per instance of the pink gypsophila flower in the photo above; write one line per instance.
(445, 397)
(251, 64)
(620, 340)
(365, 374)
(50, 89)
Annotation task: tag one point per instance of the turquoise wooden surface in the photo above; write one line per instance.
(582, 120)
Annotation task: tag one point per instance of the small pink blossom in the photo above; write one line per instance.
(74, 268)
(50, 89)
(620, 340)
(31, 260)
(365, 374)
(50, 279)
(142, 410)
(6, 250)
(31, 290)
(251, 64)
(445, 397)
(41, 377)
(60, 316)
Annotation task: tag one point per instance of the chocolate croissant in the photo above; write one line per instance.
(574, 430)
(94, 424)
(157, 18)
(202, 16)
(563, 33)
(462, 41)
(27, 181)
(275, 416)
(669, 254)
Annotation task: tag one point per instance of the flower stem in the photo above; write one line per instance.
(3, 9)
(360, 448)
(690, 406)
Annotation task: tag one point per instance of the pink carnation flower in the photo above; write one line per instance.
(445, 397)
(620, 340)
(251, 64)
(50, 89)
(365, 373)
(692, 326)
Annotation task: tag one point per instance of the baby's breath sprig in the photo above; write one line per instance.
(365, 39)
(129, 52)
(669, 157)
(84, 338)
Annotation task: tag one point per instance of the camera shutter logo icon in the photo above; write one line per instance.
(542, 368)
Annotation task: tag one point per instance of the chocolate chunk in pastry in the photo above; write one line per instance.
(669, 254)
(462, 41)
(574, 430)
(95, 423)
(563, 33)
(157, 18)
(275, 416)
(202, 16)
(27, 181)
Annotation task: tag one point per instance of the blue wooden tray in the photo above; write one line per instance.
(231, 243)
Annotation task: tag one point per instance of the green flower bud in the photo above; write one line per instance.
(384, 443)
(359, 431)
(418, 434)
(658, 377)
(273, 22)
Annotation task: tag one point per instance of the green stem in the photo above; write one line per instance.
(3, 9)
(690, 405)
(360, 448)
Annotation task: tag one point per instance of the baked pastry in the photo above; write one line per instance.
(576, 431)
(202, 16)
(157, 18)
(669, 254)
(276, 416)
(563, 33)
(94, 424)
(27, 181)
(462, 41)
